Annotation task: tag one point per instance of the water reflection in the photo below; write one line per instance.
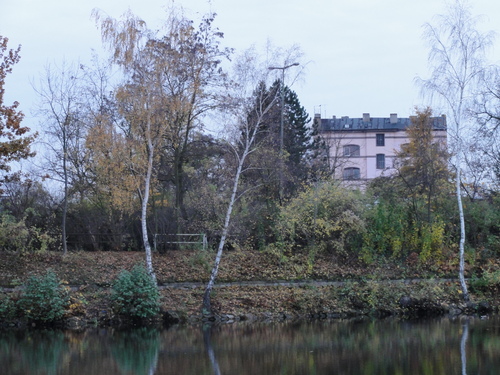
(463, 344)
(207, 339)
(355, 347)
(43, 350)
(136, 351)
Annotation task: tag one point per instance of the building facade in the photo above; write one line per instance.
(361, 149)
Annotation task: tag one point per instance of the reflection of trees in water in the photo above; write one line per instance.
(207, 340)
(136, 351)
(463, 346)
(367, 347)
(33, 352)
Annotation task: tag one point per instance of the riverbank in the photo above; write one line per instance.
(254, 285)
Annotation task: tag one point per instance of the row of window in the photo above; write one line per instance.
(353, 173)
(353, 150)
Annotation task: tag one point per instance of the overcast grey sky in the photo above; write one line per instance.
(364, 54)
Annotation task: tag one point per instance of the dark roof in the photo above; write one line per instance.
(375, 123)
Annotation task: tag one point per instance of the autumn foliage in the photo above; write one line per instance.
(175, 135)
(14, 141)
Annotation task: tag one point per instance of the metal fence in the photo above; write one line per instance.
(164, 241)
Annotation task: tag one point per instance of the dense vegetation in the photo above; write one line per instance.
(132, 160)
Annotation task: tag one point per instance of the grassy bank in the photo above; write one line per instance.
(90, 275)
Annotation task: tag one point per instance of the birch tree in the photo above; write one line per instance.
(138, 101)
(457, 61)
(170, 82)
(247, 106)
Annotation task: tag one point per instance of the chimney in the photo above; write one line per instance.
(394, 118)
(346, 122)
(366, 117)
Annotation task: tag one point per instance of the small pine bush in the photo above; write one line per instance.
(135, 294)
(44, 298)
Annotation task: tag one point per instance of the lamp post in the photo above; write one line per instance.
(282, 89)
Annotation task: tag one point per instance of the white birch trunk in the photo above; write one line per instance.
(207, 309)
(461, 272)
(250, 135)
(458, 55)
(145, 199)
(248, 128)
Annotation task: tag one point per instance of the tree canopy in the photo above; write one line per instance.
(15, 141)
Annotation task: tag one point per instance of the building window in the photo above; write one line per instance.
(351, 150)
(351, 173)
(380, 161)
(380, 140)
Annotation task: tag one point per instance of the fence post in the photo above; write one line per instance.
(205, 243)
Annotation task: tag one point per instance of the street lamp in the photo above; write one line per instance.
(282, 68)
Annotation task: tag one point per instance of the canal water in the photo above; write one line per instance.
(362, 347)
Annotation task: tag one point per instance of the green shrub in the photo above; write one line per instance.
(7, 307)
(17, 236)
(385, 225)
(482, 220)
(488, 280)
(13, 235)
(324, 218)
(278, 251)
(135, 294)
(44, 298)
(394, 231)
(429, 241)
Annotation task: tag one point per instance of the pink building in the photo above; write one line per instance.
(361, 149)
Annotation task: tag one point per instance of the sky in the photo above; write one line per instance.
(361, 56)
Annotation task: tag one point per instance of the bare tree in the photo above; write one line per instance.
(333, 154)
(248, 105)
(487, 112)
(457, 61)
(59, 108)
